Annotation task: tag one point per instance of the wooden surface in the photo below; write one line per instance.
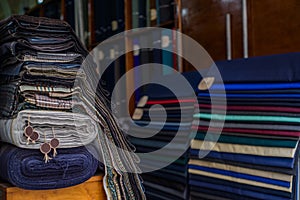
(205, 22)
(92, 189)
(273, 26)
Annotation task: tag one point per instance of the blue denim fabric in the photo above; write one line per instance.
(26, 168)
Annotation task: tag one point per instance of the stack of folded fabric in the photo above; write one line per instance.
(42, 138)
(161, 134)
(257, 153)
(46, 118)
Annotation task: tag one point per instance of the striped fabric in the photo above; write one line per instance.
(256, 156)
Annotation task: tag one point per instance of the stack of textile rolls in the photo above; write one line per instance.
(161, 134)
(50, 133)
(257, 153)
(42, 147)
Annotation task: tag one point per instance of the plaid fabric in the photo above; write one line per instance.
(48, 102)
(45, 89)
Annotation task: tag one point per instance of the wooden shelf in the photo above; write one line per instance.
(91, 189)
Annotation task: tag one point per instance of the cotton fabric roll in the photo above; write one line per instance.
(25, 168)
(71, 129)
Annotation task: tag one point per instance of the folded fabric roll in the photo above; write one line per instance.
(241, 192)
(252, 96)
(268, 129)
(13, 65)
(260, 69)
(241, 175)
(253, 108)
(266, 161)
(9, 104)
(27, 169)
(13, 48)
(237, 185)
(255, 113)
(248, 118)
(247, 140)
(208, 165)
(255, 102)
(246, 130)
(245, 149)
(159, 92)
(71, 129)
(270, 87)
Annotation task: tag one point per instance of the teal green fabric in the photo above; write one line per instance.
(247, 118)
(246, 140)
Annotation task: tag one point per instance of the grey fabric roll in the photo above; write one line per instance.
(71, 129)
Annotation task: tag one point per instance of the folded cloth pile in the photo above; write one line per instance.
(44, 112)
(161, 134)
(256, 156)
(39, 63)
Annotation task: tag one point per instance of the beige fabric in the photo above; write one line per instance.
(244, 149)
(261, 173)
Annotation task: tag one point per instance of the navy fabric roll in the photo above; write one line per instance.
(273, 68)
(251, 159)
(236, 190)
(156, 91)
(27, 169)
(237, 185)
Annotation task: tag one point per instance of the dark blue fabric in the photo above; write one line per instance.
(165, 190)
(156, 91)
(255, 86)
(162, 181)
(247, 96)
(245, 102)
(273, 68)
(251, 159)
(262, 91)
(25, 168)
(255, 101)
(241, 176)
(283, 170)
(236, 190)
(237, 185)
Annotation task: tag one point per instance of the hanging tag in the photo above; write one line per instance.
(112, 54)
(101, 55)
(206, 83)
(114, 25)
(165, 41)
(153, 14)
(136, 50)
(138, 114)
(142, 102)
